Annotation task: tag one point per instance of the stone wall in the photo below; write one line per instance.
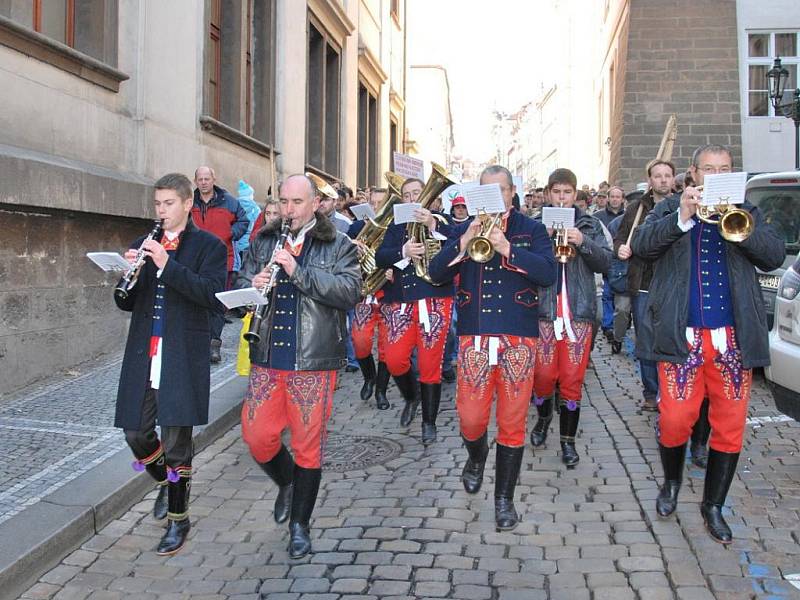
(681, 58)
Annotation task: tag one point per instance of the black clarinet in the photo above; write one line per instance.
(122, 291)
(259, 312)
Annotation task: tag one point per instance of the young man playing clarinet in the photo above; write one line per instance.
(497, 329)
(706, 329)
(165, 372)
(293, 372)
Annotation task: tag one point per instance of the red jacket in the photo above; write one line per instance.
(222, 216)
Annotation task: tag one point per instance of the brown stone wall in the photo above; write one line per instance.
(56, 306)
(682, 58)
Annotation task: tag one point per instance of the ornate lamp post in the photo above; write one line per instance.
(777, 78)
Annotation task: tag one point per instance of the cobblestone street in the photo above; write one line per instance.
(399, 524)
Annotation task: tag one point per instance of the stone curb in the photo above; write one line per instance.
(38, 538)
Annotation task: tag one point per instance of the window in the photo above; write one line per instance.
(395, 9)
(392, 142)
(322, 103)
(367, 137)
(762, 48)
(240, 67)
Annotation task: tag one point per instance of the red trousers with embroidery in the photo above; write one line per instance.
(511, 379)
(367, 319)
(562, 361)
(706, 373)
(300, 400)
(404, 332)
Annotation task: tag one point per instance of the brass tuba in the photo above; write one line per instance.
(325, 188)
(373, 233)
(436, 184)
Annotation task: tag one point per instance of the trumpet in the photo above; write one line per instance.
(564, 251)
(735, 224)
(131, 276)
(480, 248)
(258, 313)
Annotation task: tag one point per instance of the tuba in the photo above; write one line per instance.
(372, 235)
(325, 188)
(436, 184)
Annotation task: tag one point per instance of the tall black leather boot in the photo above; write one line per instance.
(407, 384)
(381, 383)
(156, 467)
(544, 410)
(306, 487)
(719, 475)
(568, 424)
(178, 524)
(281, 470)
(700, 434)
(431, 395)
(368, 371)
(472, 475)
(672, 462)
(508, 462)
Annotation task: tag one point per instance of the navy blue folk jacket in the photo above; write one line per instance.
(500, 296)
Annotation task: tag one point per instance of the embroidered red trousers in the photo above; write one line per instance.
(707, 372)
(562, 361)
(404, 332)
(366, 320)
(300, 400)
(511, 379)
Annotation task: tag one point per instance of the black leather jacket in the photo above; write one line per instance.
(594, 256)
(329, 281)
(662, 337)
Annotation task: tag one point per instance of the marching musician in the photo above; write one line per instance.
(416, 314)
(567, 313)
(497, 329)
(706, 332)
(165, 373)
(293, 373)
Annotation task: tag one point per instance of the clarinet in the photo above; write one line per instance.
(259, 312)
(122, 291)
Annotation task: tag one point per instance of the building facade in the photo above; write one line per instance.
(104, 96)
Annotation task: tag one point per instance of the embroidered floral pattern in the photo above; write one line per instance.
(362, 314)
(681, 378)
(576, 349)
(437, 319)
(516, 362)
(259, 389)
(735, 379)
(305, 391)
(547, 342)
(474, 364)
(397, 321)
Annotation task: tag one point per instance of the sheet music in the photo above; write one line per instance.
(362, 211)
(487, 198)
(724, 188)
(404, 212)
(556, 215)
(244, 297)
(109, 261)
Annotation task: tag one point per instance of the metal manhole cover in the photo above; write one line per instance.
(349, 453)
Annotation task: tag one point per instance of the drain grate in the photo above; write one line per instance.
(349, 453)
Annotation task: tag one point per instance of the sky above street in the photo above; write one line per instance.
(495, 53)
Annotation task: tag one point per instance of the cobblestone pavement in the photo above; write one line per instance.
(402, 526)
(58, 430)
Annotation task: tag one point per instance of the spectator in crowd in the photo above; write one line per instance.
(327, 206)
(268, 215)
(245, 196)
(582, 199)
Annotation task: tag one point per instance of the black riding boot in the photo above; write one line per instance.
(407, 385)
(178, 524)
(156, 467)
(545, 412)
(672, 463)
(472, 475)
(719, 475)
(281, 470)
(306, 487)
(568, 424)
(368, 371)
(700, 434)
(431, 394)
(508, 462)
(381, 383)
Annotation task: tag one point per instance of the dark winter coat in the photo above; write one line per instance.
(192, 276)
(223, 216)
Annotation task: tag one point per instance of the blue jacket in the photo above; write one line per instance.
(500, 296)
(223, 216)
(407, 287)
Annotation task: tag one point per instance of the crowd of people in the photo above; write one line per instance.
(502, 304)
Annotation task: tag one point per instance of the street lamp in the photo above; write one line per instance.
(777, 78)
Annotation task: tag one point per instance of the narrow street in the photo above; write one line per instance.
(393, 520)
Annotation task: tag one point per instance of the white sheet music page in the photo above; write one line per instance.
(724, 188)
(556, 215)
(485, 198)
(244, 297)
(362, 212)
(404, 212)
(109, 261)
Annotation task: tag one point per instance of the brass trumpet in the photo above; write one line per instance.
(735, 224)
(564, 251)
(480, 248)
